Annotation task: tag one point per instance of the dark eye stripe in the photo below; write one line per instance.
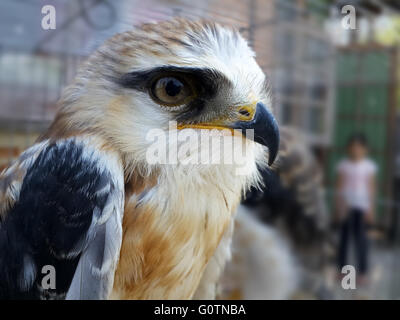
(207, 81)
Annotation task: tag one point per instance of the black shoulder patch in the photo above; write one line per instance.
(62, 192)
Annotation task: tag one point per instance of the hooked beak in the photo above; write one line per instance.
(266, 131)
(251, 117)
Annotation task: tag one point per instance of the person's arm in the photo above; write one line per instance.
(370, 216)
(339, 201)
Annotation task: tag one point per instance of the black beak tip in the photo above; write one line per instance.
(267, 132)
(270, 140)
(272, 154)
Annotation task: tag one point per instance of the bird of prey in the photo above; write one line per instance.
(86, 200)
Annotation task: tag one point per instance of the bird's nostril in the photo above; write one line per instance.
(244, 112)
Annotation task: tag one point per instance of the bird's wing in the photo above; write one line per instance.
(300, 172)
(67, 214)
(293, 188)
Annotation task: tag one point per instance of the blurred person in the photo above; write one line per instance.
(355, 190)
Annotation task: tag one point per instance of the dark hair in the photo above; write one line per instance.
(358, 138)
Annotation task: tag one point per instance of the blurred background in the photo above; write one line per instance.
(327, 83)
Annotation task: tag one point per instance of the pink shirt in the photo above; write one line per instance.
(355, 188)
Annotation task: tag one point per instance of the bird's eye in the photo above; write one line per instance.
(171, 91)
